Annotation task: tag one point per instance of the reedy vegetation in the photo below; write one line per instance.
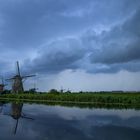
(90, 97)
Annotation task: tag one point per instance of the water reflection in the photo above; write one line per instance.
(15, 111)
(66, 123)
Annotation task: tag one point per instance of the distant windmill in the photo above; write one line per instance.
(17, 81)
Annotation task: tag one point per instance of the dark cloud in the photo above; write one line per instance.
(30, 23)
(27, 24)
(111, 51)
(117, 54)
(133, 66)
(84, 34)
(58, 56)
(120, 46)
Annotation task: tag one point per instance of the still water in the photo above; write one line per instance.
(43, 122)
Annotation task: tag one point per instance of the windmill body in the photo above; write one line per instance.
(17, 86)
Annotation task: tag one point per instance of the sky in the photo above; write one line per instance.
(80, 45)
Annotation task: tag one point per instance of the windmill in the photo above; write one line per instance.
(17, 81)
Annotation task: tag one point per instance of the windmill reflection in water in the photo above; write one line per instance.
(16, 113)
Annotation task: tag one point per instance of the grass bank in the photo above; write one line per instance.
(130, 100)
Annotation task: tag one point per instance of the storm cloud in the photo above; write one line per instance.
(114, 50)
(51, 36)
(58, 56)
(121, 44)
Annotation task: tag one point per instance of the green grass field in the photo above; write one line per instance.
(104, 99)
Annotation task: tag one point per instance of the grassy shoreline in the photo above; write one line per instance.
(110, 100)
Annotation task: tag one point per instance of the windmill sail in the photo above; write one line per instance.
(28, 76)
(18, 70)
(15, 129)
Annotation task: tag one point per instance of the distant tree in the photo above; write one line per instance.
(32, 90)
(68, 91)
(53, 91)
